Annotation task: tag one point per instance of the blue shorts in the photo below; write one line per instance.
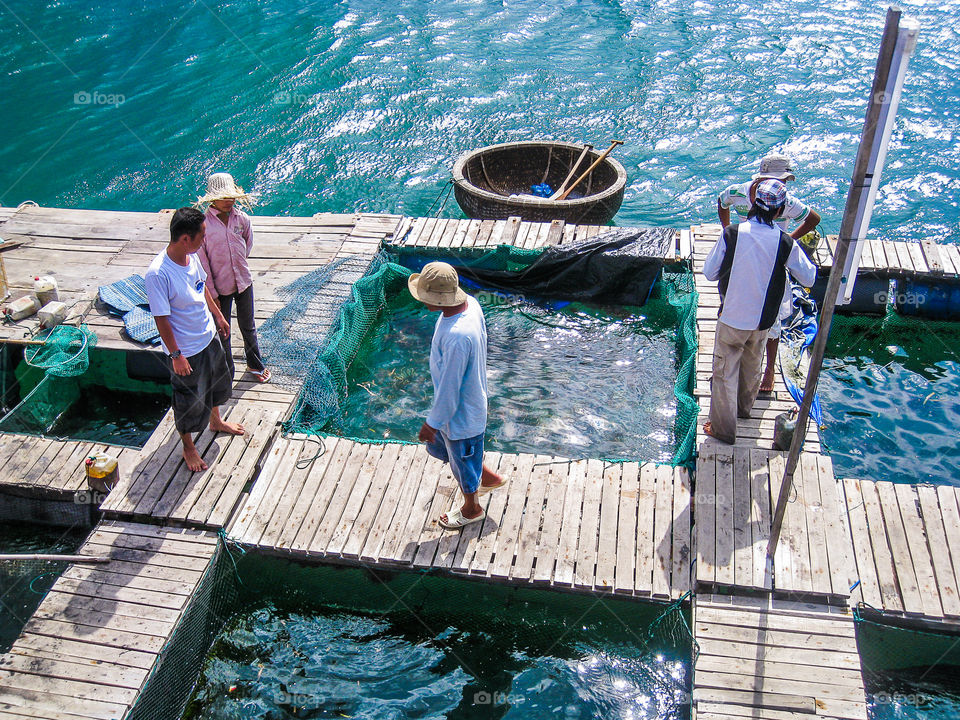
(465, 458)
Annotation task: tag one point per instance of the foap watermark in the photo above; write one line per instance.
(89, 497)
(493, 299)
(96, 97)
(901, 699)
(282, 697)
(703, 498)
(497, 698)
(284, 97)
(900, 299)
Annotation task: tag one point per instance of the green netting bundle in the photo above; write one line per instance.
(65, 351)
(325, 388)
(682, 295)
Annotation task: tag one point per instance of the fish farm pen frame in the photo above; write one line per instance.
(99, 644)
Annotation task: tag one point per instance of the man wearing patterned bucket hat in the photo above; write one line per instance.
(750, 262)
(740, 198)
(454, 428)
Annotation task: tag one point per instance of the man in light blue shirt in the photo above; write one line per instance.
(453, 430)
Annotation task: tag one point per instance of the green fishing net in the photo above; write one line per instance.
(325, 383)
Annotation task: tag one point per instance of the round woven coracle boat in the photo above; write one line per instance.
(484, 181)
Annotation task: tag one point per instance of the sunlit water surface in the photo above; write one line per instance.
(578, 381)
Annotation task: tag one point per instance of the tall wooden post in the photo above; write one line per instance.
(895, 47)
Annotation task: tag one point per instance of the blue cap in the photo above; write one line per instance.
(771, 194)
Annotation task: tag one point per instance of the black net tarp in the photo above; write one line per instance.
(617, 267)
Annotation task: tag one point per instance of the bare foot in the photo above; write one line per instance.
(708, 430)
(766, 384)
(488, 478)
(193, 460)
(226, 427)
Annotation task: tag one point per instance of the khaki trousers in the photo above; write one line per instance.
(737, 357)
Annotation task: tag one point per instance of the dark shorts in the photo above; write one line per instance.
(465, 458)
(207, 386)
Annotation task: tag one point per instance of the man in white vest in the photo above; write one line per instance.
(739, 198)
(750, 262)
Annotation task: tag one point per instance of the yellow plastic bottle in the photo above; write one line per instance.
(102, 472)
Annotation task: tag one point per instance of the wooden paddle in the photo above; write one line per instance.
(587, 147)
(613, 144)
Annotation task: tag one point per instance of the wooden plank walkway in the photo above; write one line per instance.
(159, 486)
(90, 647)
(45, 468)
(775, 660)
(736, 489)
(467, 234)
(580, 525)
(84, 249)
(756, 431)
(907, 542)
(926, 261)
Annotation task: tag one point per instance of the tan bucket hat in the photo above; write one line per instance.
(438, 285)
(220, 186)
(778, 167)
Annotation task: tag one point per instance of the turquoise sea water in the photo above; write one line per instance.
(362, 105)
(889, 395)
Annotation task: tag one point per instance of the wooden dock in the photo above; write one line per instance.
(777, 644)
(736, 492)
(907, 542)
(101, 631)
(775, 659)
(583, 525)
(926, 261)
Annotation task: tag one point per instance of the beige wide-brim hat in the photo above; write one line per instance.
(776, 167)
(438, 285)
(220, 186)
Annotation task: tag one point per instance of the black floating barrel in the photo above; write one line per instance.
(485, 179)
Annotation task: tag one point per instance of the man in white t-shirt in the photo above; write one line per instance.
(740, 197)
(190, 325)
(750, 263)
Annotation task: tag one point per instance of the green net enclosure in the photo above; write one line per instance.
(308, 641)
(888, 390)
(24, 581)
(327, 381)
(52, 393)
(909, 674)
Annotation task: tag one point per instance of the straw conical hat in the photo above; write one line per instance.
(220, 186)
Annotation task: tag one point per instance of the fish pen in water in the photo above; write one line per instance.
(889, 392)
(909, 674)
(114, 397)
(24, 583)
(572, 379)
(306, 641)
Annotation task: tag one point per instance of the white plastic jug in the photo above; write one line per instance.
(52, 314)
(46, 290)
(22, 308)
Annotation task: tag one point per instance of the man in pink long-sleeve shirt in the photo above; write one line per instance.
(228, 242)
